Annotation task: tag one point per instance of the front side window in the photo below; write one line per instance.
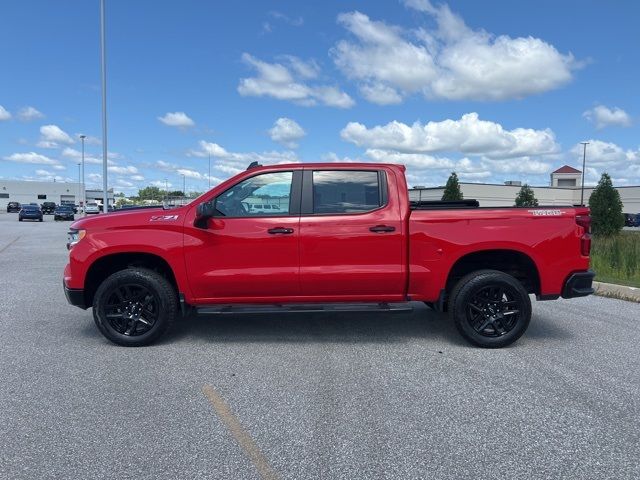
(345, 191)
(260, 196)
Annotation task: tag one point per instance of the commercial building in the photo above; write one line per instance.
(38, 192)
(564, 189)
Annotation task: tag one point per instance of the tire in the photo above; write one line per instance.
(19, 219)
(152, 300)
(40, 220)
(480, 304)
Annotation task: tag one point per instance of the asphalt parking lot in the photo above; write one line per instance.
(344, 396)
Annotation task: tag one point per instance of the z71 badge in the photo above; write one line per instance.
(167, 218)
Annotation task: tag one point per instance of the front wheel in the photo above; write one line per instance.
(134, 307)
(490, 309)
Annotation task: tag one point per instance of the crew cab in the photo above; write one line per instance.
(346, 237)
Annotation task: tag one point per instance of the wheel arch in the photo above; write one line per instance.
(109, 264)
(512, 262)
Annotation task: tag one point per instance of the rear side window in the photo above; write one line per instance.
(346, 191)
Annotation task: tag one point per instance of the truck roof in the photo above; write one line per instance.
(336, 165)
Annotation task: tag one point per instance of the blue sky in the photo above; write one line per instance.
(495, 90)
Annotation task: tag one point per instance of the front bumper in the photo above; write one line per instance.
(75, 296)
(579, 284)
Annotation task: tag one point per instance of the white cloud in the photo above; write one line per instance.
(128, 170)
(177, 119)
(230, 163)
(31, 157)
(606, 154)
(288, 83)
(4, 114)
(451, 62)
(604, 116)
(622, 164)
(51, 136)
(28, 113)
(286, 132)
(76, 155)
(469, 135)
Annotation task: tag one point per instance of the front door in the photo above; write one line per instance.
(351, 239)
(249, 250)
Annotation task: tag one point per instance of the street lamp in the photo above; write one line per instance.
(209, 177)
(184, 191)
(83, 195)
(79, 184)
(166, 192)
(103, 65)
(584, 160)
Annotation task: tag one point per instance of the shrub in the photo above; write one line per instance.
(526, 198)
(606, 208)
(452, 188)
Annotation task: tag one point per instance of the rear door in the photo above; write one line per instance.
(351, 238)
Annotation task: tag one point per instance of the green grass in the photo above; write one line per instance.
(616, 259)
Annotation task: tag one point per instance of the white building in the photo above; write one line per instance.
(38, 192)
(564, 190)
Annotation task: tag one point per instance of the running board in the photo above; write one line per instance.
(304, 308)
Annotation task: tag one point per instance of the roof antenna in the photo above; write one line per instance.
(253, 165)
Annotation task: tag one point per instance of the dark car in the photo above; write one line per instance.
(48, 208)
(630, 220)
(63, 212)
(13, 207)
(30, 212)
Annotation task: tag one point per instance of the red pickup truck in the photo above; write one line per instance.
(325, 236)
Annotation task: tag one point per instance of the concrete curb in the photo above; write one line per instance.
(621, 292)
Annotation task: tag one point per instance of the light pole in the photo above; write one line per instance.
(584, 160)
(83, 195)
(166, 192)
(79, 184)
(103, 65)
(184, 191)
(209, 177)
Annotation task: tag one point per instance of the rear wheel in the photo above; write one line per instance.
(134, 307)
(490, 308)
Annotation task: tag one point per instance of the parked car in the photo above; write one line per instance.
(636, 223)
(48, 207)
(64, 212)
(30, 212)
(630, 220)
(13, 207)
(91, 207)
(348, 239)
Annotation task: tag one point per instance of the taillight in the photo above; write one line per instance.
(584, 221)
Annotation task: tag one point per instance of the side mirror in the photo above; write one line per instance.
(204, 212)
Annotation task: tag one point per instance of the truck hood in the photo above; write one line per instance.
(130, 218)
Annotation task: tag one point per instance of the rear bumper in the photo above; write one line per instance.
(578, 284)
(75, 296)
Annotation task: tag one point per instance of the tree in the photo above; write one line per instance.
(606, 208)
(452, 188)
(151, 193)
(526, 198)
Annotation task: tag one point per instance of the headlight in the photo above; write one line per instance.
(74, 236)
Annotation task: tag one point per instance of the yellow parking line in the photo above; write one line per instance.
(240, 434)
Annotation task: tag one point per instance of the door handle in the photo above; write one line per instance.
(382, 229)
(281, 230)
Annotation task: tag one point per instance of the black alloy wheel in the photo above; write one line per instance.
(490, 309)
(135, 306)
(131, 309)
(493, 310)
